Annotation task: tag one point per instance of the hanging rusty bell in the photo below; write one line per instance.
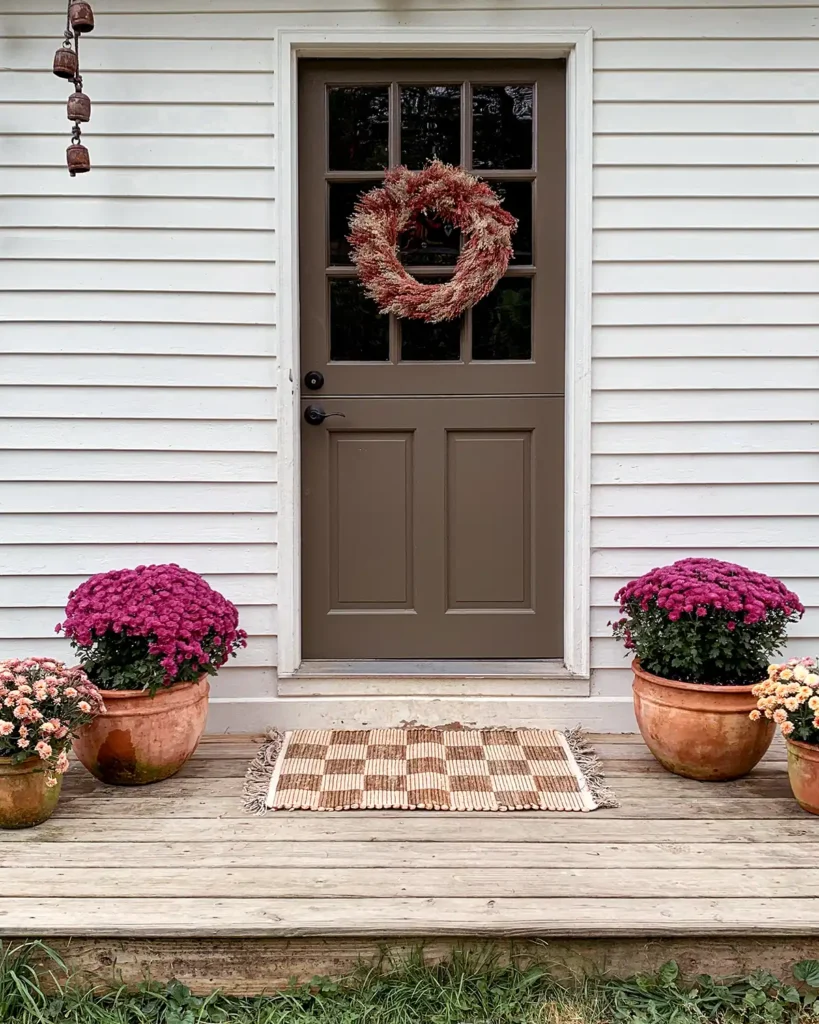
(79, 107)
(65, 63)
(81, 17)
(79, 159)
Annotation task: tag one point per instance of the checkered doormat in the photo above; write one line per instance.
(428, 769)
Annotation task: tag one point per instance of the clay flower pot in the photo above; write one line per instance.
(141, 739)
(803, 772)
(25, 799)
(699, 731)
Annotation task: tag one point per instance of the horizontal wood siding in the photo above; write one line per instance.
(138, 343)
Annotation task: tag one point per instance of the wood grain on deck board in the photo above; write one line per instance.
(248, 918)
(202, 856)
(488, 882)
(303, 827)
(182, 859)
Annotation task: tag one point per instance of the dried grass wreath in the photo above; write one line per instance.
(455, 196)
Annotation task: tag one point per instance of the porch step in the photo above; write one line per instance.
(180, 866)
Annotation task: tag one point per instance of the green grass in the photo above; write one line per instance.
(469, 989)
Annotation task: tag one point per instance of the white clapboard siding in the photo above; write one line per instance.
(140, 402)
(629, 562)
(138, 336)
(103, 275)
(100, 434)
(111, 467)
(744, 468)
(139, 497)
(140, 211)
(89, 557)
(637, 213)
(110, 182)
(131, 371)
(638, 406)
(776, 341)
(706, 436)
(248, 590)
(143, 243)
(695, 119)
(705, 182)
(681, 374)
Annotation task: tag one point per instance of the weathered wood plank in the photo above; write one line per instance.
(603, 857)
(638, 751)
(387, 883)
(662, 786)
(388, 827)
(572, 916)
(262, 965)
(673, 808)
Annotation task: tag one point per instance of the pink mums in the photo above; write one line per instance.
(696, 586)
(702, 620)
(185, 624)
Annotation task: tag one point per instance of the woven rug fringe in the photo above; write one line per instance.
(589, 764)
(260, 772)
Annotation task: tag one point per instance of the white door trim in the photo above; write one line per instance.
(577, 46)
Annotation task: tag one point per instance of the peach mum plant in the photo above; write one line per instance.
(790, 697)
(41, 704)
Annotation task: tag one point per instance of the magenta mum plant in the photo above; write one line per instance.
(705, 621)
(149, 627)
(41, 704)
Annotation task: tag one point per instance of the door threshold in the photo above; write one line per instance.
(434, 678)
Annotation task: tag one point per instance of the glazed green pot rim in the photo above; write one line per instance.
(678, 684)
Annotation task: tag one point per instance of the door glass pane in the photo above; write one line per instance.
(429, 241)
(358, 332)
(431, 342)
(517, 199)
(502, 322)
(359, 128)
(430, 124)
(343, 197)
(502, 126)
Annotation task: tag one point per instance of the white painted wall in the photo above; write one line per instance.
(138, 320)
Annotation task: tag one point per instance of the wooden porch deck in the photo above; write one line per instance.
(177, 877)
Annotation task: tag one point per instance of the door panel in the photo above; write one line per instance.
(489, 519)
(478, 545)
(370, 507)
(433, 510)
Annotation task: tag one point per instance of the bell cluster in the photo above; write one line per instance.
(67, 65)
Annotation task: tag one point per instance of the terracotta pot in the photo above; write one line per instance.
(141, 739)
(25, 799)
(803, 772)
(699, 731)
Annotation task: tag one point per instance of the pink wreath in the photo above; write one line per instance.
(455, 196)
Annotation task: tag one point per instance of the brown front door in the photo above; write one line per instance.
(433, 508)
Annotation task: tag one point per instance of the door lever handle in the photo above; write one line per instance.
(315, 415)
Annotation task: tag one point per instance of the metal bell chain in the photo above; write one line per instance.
(73, 36)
